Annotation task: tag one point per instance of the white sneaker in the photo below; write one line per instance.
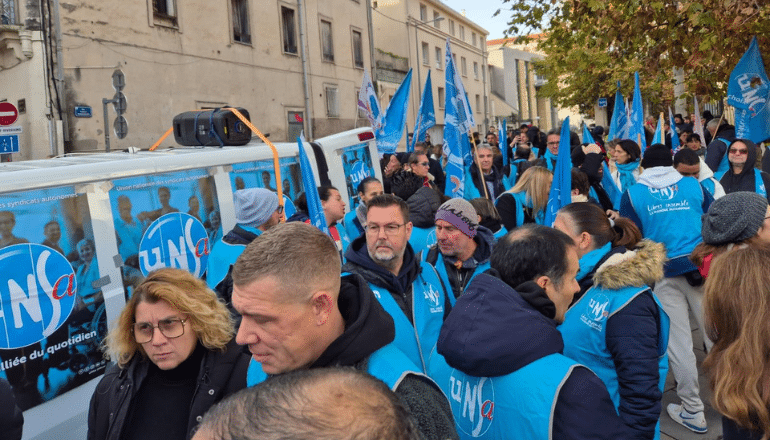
(695, 422)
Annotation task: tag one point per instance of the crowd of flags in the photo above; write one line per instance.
(748, 93)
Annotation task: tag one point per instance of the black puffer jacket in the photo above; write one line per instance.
(221, 374)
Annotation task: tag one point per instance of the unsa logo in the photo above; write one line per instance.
(358, 172)
(666, 193)
(37, 293)
(473, 403)
(175, 240)
(596, 308)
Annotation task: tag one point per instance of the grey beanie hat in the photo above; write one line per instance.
(254, 206)
(460, 214)
(733, 218)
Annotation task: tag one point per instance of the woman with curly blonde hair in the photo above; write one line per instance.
(736, 307)
(175, 356)
(526, 201)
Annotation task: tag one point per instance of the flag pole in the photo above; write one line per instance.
(476, 161)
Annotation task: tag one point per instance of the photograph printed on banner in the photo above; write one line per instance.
(53, 316)
(261, 174)
(164, 220)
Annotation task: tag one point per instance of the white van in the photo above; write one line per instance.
(77, 232)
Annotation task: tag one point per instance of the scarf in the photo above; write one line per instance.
(588, 261)
(626, 173)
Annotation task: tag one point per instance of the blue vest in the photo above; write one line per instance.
(518, 405)
(585, 335)
(421, 239)
(416, 341)
(353, 227)
(724, 165)
(442, 273)
(223, 255)
(710, 185)
(389, 364)
(671, 215)
(521, 201)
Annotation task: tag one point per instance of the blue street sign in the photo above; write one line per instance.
(602, 102)
(9, 144)
(82, 111)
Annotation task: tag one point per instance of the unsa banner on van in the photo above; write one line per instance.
(164, 220)
(357, 164)
(53, 318)
(261, 174)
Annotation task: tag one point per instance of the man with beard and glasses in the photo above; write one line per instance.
(408, 289)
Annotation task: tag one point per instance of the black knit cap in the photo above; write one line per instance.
(657, 155)
(733, 218)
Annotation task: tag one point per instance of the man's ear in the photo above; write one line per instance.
(323, 304)
(542, 281)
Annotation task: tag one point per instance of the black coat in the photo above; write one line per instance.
(221, 374)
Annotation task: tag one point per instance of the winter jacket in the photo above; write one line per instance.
(716, 152)
(423, 205)
(749, 179)
(221, 374)
(667, 208)
(416, 298)
(369, 329)
(496, 332)
(458, 279)
(631, 356)
(493, 179)
(592, 163)
(515, 210)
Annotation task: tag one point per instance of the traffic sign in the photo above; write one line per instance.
(8, 113)
(119, 102)
(121, 127)
(118, 80)
(602, 102)
(9, 144)
(16, 129)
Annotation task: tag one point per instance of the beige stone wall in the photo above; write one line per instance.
(171, 69)
(398, 29)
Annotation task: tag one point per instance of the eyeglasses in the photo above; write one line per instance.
(553, 143)
(738, 152)
(425, 164)
(279, 209)
(390, 229)
(170, 328)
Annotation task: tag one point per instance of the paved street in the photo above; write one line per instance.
(672, 430)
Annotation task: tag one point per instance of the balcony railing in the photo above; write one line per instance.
(7, 12)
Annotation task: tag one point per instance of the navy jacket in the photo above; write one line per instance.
(495, 330)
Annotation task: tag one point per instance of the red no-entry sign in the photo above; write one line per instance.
(8, 113)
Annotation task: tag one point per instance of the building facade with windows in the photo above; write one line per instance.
(413, 33)
(293, 65)
(515, 88)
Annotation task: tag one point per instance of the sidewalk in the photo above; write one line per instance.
(669, 429)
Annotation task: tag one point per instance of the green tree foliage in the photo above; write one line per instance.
(592, 44)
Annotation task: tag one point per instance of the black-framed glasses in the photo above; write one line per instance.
(390, 229)
(170, 328)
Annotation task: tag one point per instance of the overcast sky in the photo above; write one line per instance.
(480, 11)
